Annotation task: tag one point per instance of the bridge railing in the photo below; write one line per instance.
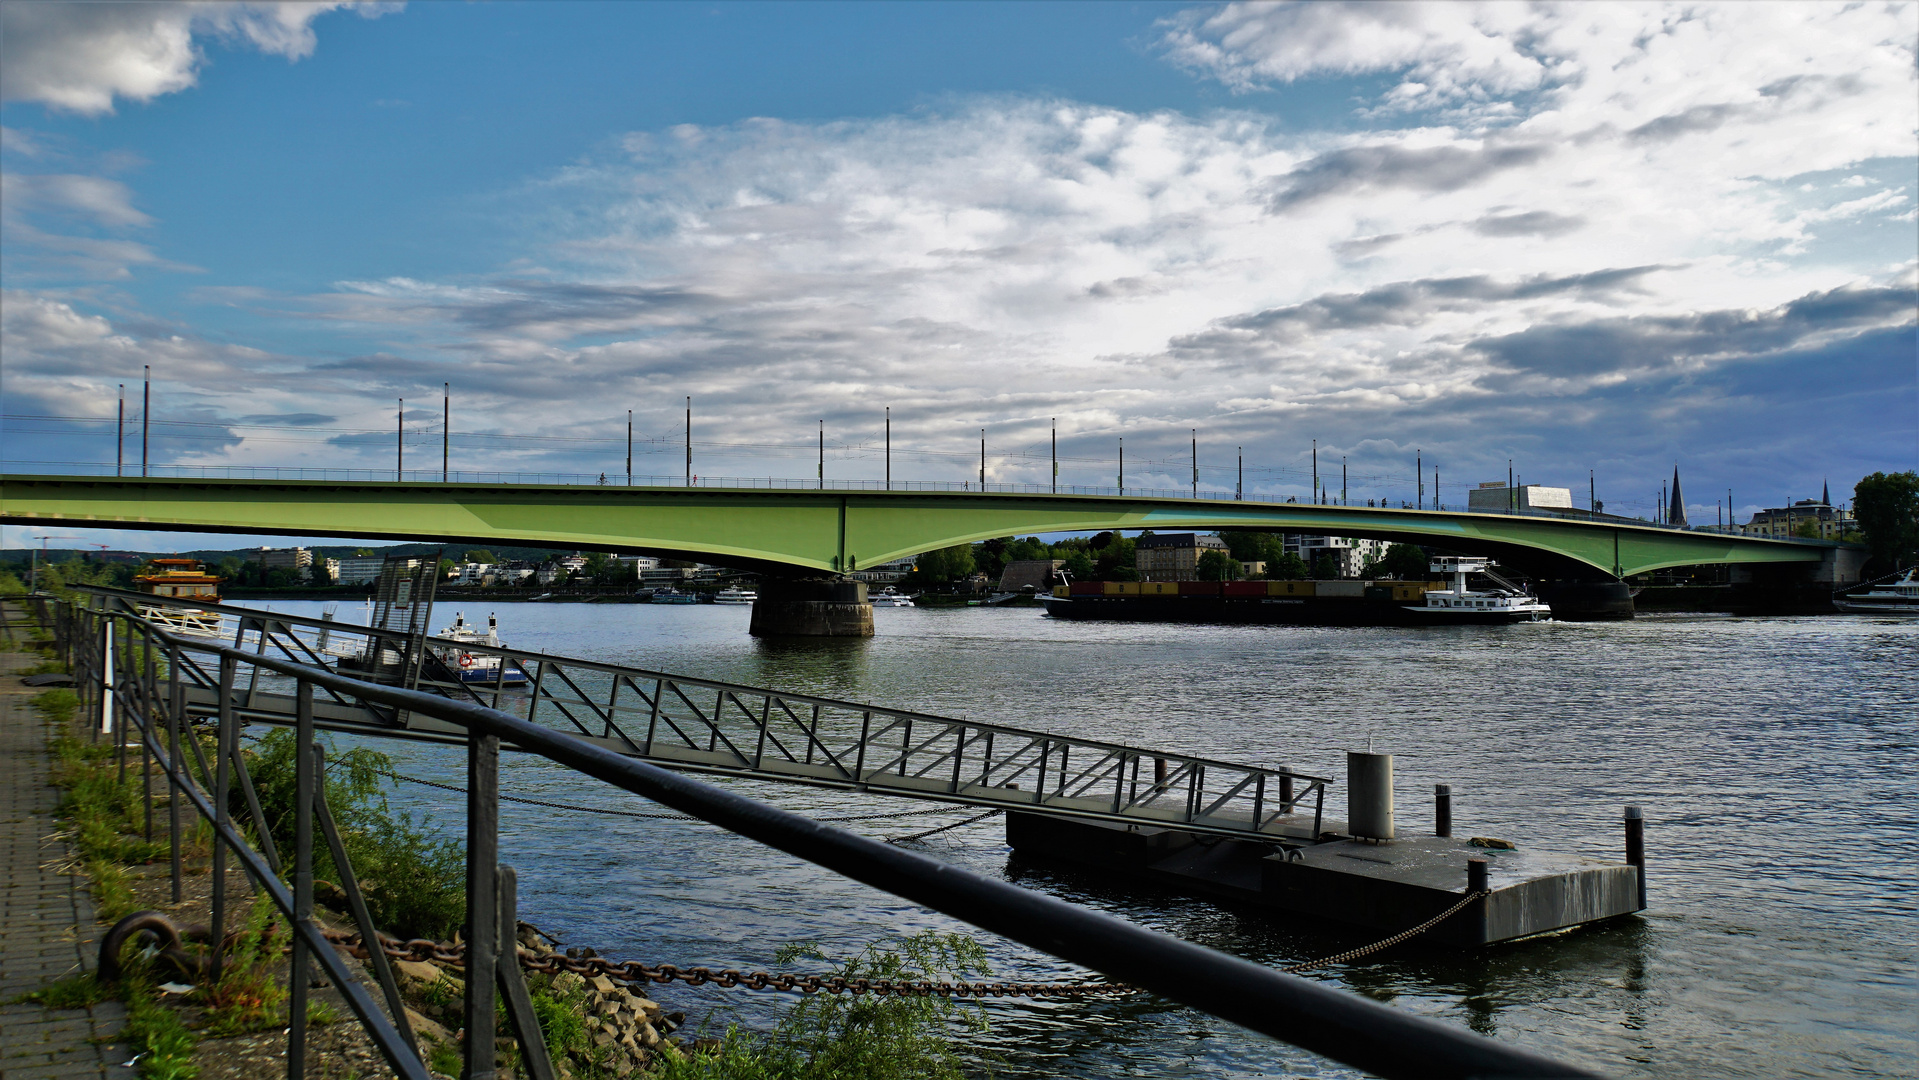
(774, 483)
(137, 696)
(715, 727)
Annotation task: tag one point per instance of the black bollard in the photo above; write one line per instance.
(1476, 883)
(1286, 789)
(1476, 875)
(1636, 849)
(1442, 809)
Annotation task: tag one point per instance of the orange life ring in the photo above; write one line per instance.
(466, 660)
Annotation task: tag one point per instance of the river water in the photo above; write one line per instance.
(1774, 759)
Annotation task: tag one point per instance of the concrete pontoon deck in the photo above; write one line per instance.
(1381, 885)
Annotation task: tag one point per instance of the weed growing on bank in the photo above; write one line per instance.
(857, 1036)
(414, 879)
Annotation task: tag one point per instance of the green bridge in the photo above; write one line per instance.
(827, 530)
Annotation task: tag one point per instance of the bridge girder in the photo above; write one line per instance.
(817, 530)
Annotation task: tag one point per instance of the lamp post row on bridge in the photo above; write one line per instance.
(1239, 490)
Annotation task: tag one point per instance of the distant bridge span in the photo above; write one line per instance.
(831, 531)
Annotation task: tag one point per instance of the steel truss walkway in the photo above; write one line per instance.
(702, 726)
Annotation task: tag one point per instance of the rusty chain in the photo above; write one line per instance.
(1354, 954)
(634, 972)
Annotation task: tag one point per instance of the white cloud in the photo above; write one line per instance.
(97, 199)
(80, 57)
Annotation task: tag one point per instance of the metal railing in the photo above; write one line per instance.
(775, 483)
(122, 684)
(707, 726)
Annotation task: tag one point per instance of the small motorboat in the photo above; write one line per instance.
(890, 597)
(733, 594)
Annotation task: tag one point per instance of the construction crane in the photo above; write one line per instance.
(33, 577)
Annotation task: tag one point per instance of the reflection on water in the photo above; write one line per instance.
(1774, 757)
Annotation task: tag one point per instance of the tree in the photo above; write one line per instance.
(1404, 561)
(1254, 546)
(1325, 568)
(1079, 566)
(1887, 506)
(317, 573)
(943, 565)
(1215, 565)
(1288, 567)
(479, 555)
(1116, 560)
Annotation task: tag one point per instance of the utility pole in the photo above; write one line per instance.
(146, 411)
(1729, 519)
(1512, 496)
(689, 441)
(1437, 505)
(1239, 486)
(446, 429)
(889, 448)
(1592, 496)
(399, 443)
(629, 448)
(120, 436)
(1315, 471)
(1419, 479)
(822, 455)
(982, 459)
(1056, 455)
(1122, 466)
(1343, 501)
(1195, 463)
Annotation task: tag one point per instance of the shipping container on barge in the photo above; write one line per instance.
(1305, 603)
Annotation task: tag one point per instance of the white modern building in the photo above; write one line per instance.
(1350, 555)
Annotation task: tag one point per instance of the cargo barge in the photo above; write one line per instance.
(1306, 603)
(1312, 603)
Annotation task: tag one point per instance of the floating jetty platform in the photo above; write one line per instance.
(1361, 873)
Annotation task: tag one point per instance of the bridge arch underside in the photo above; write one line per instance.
(811, 532)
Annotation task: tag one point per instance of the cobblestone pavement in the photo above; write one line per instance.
(47, 928)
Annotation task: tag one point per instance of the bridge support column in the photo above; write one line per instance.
(812, 607)
(1587, 599)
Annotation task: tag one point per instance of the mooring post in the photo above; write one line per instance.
(1442, 809)
(1476, 883)
(1636, 849)
(482, 901)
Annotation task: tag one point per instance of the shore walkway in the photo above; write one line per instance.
(47, 927)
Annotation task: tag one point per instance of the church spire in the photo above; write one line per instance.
(1676, 513)
(1825, 492)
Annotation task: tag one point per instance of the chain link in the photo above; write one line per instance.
(634, 972)
(1354, 954)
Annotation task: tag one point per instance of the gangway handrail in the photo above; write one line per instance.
(1342, 1026)
(761, 733)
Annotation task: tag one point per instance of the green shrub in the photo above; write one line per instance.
(856, 1036)
(414, 879)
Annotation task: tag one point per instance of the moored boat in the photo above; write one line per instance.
(733, 594)
(1899, 598)
(181, 579)
(890, 597)
(470, 666)
(667, 594)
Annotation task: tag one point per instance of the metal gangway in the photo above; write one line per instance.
(704, 726)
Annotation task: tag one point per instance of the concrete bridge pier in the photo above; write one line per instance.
(812, 607)
(1587, 599)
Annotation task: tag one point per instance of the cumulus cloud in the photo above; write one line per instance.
(80, 57)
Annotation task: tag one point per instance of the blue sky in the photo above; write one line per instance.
(1610, 237)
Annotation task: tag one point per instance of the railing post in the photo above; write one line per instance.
(519, 1004)
(176, 760)
(146, 730)
(299, 976)
(1286, 789)
(1442, 809)
(482, 899)
(225, 744)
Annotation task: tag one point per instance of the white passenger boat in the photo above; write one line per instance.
(1460, 604)
(890, 597)
(1899, 598)
(733, 594)
(477, 667)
